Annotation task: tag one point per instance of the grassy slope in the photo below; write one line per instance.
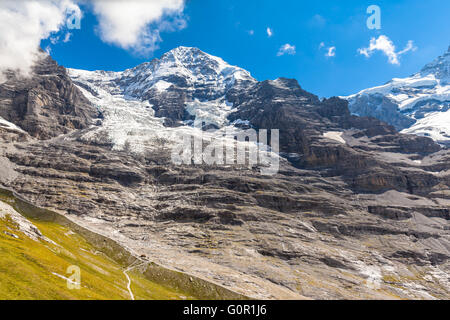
(27, 267)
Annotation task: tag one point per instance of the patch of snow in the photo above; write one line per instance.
(24, 225)
(11, 126)
(211, 112)
(435, 125)
(162, 85)
(335, 135)
(241, 122)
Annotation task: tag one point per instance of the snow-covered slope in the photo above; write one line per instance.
(419, 104)
(184, 67)
(184, 82)
(204, 76)
(10, 126)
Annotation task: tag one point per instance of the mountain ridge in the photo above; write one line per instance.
(419, 104)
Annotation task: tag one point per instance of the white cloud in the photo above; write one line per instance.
(251, 32)
(385, 45)
(23, 24)
(409, 47)
(67, 37)
(286, 49)
(331, 52)
(137, 24)
(54, 40)
(269, 32)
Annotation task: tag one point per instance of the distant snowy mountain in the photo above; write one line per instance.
(419, 104)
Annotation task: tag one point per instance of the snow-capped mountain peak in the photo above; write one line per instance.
(154, 100)
(183, 67)
(197, 61)
(440, 68)
(419, 104)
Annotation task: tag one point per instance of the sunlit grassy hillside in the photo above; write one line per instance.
(37, 269)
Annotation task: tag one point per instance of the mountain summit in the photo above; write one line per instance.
(419, 104)
(184, 67)
(440, 68)
(182, 75)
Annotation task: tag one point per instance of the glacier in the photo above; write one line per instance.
(419, 104)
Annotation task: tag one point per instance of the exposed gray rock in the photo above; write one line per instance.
(46, 104)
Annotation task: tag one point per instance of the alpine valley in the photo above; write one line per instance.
(359, 208)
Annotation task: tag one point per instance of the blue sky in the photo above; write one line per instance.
(237, 32)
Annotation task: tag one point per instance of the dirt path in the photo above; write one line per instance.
(131, 267)
(129, 283)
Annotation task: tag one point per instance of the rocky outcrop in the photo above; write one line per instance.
(47, 104)
(380, 107)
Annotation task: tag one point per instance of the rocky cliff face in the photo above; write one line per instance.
(47, 104)
(419, 104)
(357, 210)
